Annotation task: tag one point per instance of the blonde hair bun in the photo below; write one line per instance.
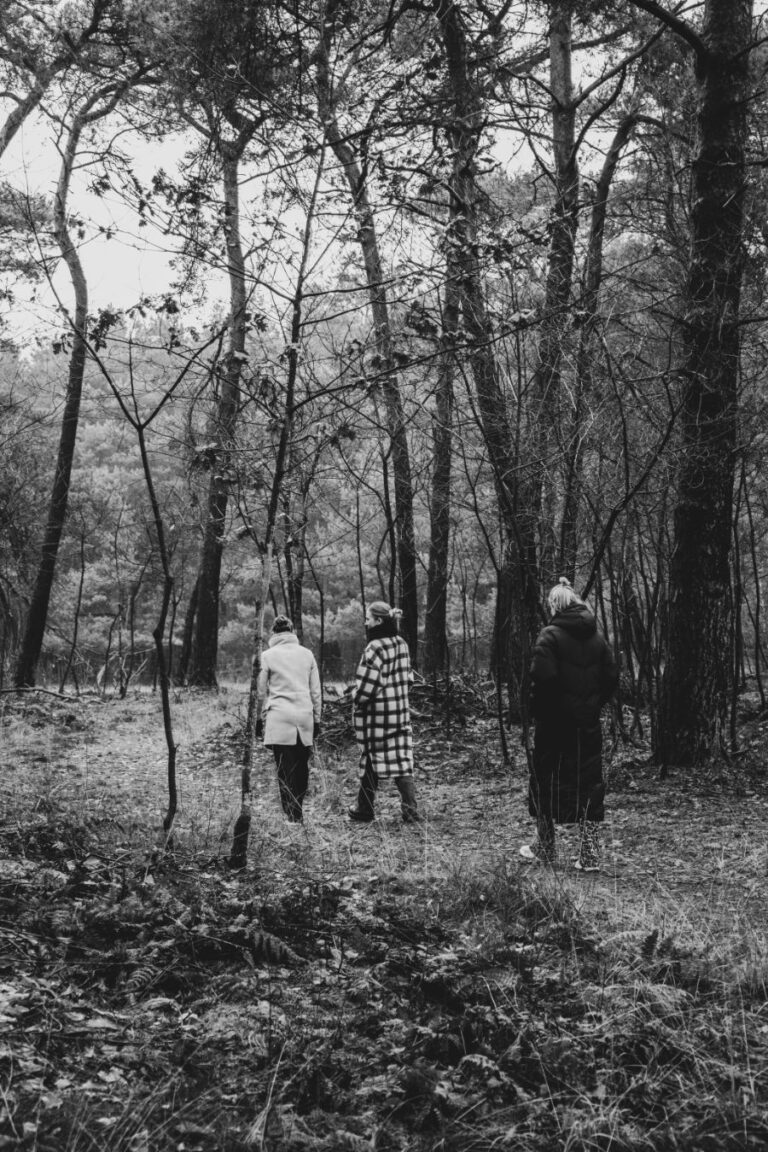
(562, 596)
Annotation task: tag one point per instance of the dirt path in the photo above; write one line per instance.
(677, 857)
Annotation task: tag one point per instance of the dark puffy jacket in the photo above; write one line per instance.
(573, 672)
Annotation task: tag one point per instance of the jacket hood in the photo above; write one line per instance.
(577, 620)
(283, 638)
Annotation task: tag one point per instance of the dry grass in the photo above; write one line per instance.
(376, 987)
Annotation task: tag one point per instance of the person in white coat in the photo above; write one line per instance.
(289, 709)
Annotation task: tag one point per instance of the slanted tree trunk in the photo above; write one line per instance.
(518, 513)
(383, 340)
(695, 687)
(37, 616)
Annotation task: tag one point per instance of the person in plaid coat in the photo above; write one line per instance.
(381, 714)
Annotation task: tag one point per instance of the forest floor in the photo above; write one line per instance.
(379, 987)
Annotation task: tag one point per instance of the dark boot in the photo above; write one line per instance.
(407, 790)
(543, 848)
(362, 812)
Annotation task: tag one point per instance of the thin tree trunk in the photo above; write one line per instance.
(76, 624)
(158, 636)
(238, 856)
(757, 614)
(359, 551)
(435, 619)
(588, 318)
(239, 851)
(383, 340)
(321, 599)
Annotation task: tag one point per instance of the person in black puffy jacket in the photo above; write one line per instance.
(573, 674)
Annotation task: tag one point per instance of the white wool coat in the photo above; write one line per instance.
(288, 691)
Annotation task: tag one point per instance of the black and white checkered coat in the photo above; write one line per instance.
(381, 710)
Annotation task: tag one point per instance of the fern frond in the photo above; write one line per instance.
(270, 949)
(142, 978)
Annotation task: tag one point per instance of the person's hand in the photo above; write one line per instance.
(316, 729)
(259, 730)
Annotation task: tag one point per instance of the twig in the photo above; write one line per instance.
(258, 1129)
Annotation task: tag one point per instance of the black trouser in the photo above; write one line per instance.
(366, 795)
(292, 762)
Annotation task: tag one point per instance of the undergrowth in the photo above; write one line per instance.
(372, 989)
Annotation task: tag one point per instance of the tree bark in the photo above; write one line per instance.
(187, 637)
(545, 419)
(519, 516)
(37, 616)
(383, 341)
(435, 634)
(695, 687)
(202, 671)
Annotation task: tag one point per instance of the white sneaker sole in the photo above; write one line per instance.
(528, 854)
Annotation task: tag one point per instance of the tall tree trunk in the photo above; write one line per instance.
(435, 633)
(37, 617)
(545, 429)
(202, 671)
(382, 333)
(518, 514)
(697, 672)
